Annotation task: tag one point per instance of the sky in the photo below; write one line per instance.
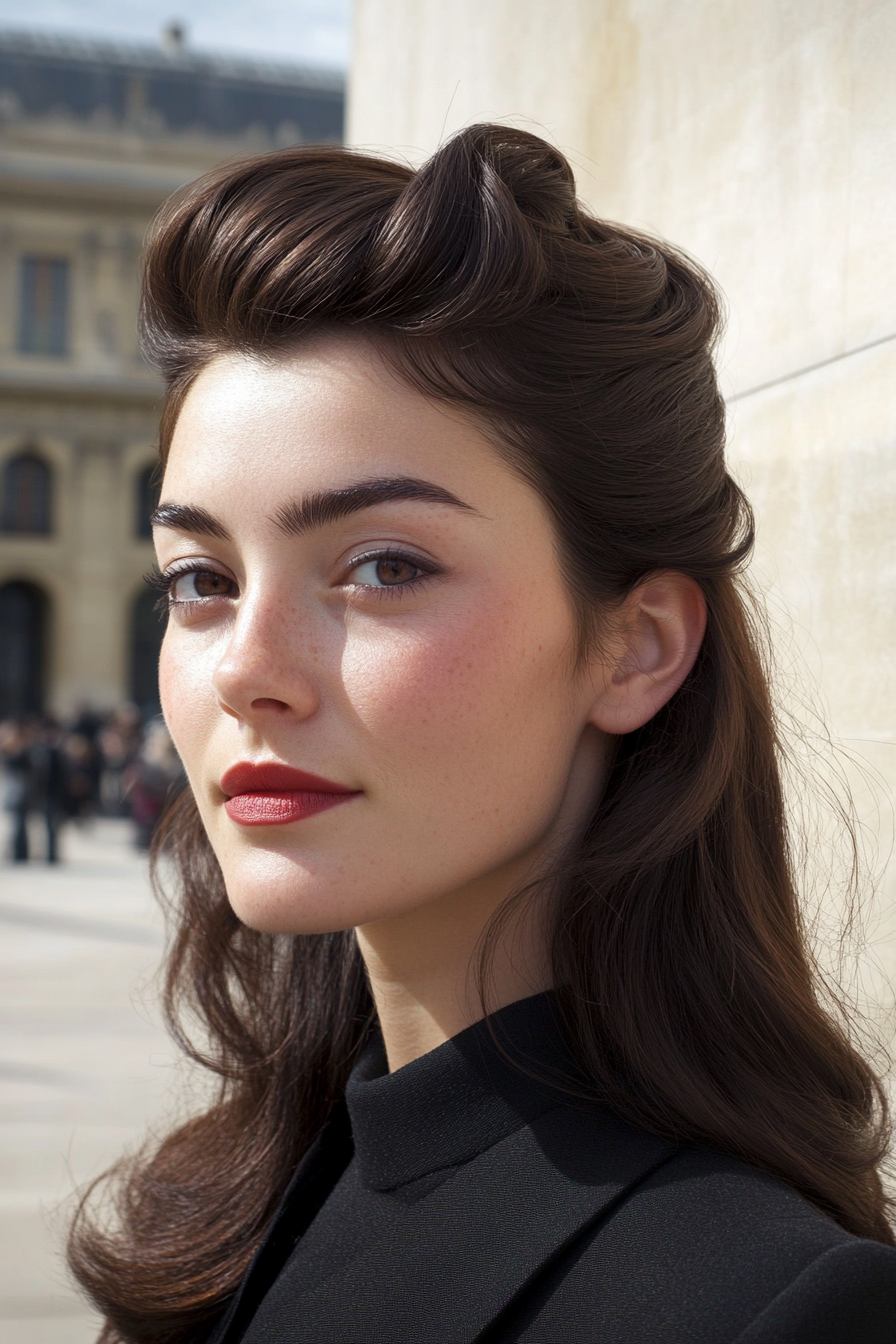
(313, 32)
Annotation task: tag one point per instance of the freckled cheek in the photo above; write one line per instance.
(441, 690)
(187, 695)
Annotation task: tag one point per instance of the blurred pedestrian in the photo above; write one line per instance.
(35, 782)
(82, 767)
(119, 740)
(150, 780)
(17, 779)
(48, 782)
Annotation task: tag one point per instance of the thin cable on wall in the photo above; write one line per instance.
(810, 368)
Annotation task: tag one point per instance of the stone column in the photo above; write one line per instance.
(95, 638)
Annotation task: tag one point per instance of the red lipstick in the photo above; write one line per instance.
(269, 794)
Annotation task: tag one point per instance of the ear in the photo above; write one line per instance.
(655, 641)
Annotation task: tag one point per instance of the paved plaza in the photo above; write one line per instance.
(84, 1065)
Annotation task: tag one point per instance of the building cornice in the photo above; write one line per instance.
(142, 391)
(116, 182)
(270, 74)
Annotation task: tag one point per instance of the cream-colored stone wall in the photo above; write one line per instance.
(762, 139)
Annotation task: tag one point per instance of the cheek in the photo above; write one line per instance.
(185, 690)
(469, 699)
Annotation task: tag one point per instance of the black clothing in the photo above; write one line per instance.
(459, 1200)
(36, 783)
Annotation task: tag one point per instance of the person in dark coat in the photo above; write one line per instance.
(49, 782)
(486, 916)
(15, 746)
(505, 1213)
(36, 782)
(149, 780)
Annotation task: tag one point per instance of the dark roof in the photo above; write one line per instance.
(181, 90)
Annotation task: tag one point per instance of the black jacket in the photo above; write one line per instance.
(458, 1200)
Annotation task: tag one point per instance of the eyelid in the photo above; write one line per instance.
(412, 557)
(156, 578)
(163, 580)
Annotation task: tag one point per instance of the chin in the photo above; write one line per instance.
(280, 892)
(283, 910)
(280, 896)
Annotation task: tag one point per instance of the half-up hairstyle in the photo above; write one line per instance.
(680, 960)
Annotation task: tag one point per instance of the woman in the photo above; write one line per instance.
(487, 916)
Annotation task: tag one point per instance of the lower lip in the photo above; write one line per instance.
(279, 809)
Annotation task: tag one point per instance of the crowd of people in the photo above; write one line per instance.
(113, 765)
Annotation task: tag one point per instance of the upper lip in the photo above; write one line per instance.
(272, 777)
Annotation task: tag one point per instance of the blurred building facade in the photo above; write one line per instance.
(93, 137)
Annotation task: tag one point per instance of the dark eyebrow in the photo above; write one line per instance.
(326, 506)
(188, 518)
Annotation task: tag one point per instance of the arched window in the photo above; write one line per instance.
(147, 498)
(147, 629)
(23, 631)
(26, 499)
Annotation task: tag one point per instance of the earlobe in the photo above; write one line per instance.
(659, 632)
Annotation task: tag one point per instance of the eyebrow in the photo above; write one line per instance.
(317, 510)
(188, 518)
(326, 506)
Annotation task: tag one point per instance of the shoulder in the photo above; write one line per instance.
(845, 1296)
(708, 1250)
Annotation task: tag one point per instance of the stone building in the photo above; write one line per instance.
(93, 137)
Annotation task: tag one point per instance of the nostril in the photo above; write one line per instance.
(266, 702)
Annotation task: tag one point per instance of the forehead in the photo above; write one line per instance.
(331, 410)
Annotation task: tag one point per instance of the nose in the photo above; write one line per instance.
(264, 670)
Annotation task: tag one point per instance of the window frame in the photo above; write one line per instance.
(34, 507)
(44, 335)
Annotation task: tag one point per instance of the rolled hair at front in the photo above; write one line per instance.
(680, 961)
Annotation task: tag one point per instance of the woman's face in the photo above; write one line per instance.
(364, 592)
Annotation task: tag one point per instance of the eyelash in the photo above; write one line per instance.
(165, 580)
(388, 592)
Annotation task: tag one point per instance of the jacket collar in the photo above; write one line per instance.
(522, 1173)
(312, 1181)
(458, 1100)
(460, 1257)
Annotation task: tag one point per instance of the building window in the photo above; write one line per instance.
(23, 622)
(43, 325)
(147, 498)
(147, 630)
(26, 495)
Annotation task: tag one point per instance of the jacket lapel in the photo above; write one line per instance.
(457, 1257)
(314, 1178)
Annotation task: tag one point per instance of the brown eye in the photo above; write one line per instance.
(200, 583)
(395, 571)
(209, 584)
(387, 570)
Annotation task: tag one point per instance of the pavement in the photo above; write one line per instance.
(85, 1066)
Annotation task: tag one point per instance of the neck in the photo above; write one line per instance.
(423, 967)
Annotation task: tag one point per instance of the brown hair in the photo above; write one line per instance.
(679, 956)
